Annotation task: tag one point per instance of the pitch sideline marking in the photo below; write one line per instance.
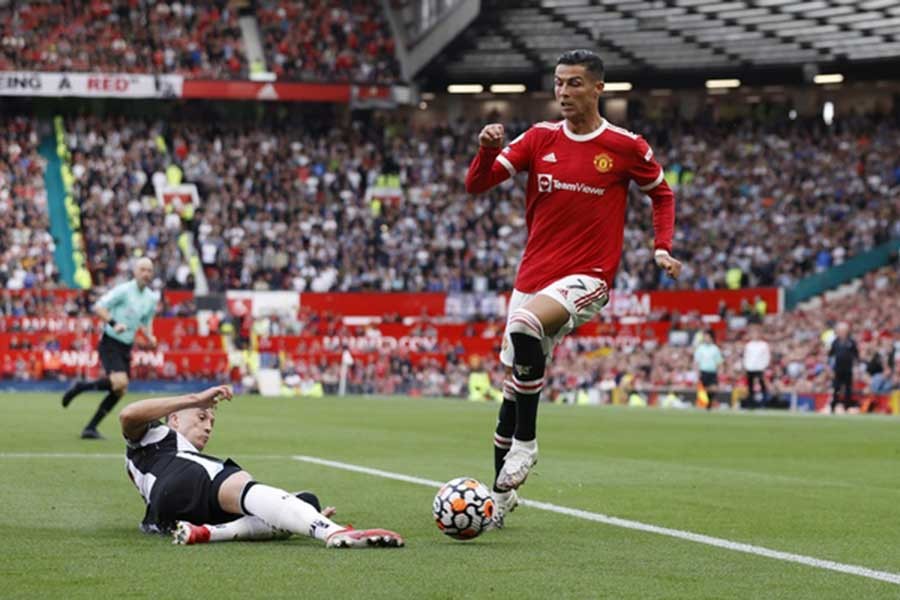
(546, 506)
(636, 525)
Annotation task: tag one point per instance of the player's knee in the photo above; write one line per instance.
(524, 322)
(233, 490)
(310, 499)
(119, 383)
(529, 360)
(526, 332)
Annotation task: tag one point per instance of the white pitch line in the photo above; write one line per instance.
(637, 526)
(120, 455)
(563, 510)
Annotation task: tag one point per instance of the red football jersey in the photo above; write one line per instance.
(576, 197)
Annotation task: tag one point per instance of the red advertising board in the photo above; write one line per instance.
(157, 363)
(706, 302)
(375, 304)
(163, 327)
(275, 91)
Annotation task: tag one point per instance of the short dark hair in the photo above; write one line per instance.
(592, 63)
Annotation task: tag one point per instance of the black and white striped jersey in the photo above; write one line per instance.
(148, 458)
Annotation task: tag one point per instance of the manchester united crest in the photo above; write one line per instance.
(603, 162)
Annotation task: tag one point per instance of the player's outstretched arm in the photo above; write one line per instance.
(136, 417)
(485, 171)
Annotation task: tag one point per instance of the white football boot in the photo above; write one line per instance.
(517, 465)
(504, 502)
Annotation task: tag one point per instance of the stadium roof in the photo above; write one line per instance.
(771, 41)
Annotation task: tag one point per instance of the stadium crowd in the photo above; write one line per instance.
(319, 41)
(381, 206)
(328, 41)
(199, 38)
(26, 246)
(800, 342)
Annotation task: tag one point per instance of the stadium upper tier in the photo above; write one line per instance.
(310, 41)
(284, 207)
(645, 39)
(200, 39)
(327, 41)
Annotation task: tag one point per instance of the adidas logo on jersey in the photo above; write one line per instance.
(550, 158)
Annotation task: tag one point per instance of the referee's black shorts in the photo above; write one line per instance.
(189, 491)
(709, 378)
(115, 356)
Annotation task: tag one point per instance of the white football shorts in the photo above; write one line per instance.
(582, 295)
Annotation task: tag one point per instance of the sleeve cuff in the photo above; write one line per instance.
(508, 165)
(654, 183)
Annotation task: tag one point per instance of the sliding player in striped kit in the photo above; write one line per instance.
(200, 498)
(579, 172)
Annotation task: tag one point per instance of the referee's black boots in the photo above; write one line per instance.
(90, 433)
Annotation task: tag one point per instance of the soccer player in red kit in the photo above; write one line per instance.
(579, 171)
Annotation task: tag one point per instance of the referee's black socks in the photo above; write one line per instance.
(105, 406)
(102, 384)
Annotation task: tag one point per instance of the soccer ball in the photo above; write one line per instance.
(463, 508)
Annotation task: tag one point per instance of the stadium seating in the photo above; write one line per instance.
(199, 39)
(775, 202)
(328, 41)
(26, 246)
(315, 206)
(312, 41)
(323, 186)
(597, 368)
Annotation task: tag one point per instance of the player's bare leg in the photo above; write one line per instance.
(529, 326)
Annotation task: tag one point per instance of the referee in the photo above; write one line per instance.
(123, 309)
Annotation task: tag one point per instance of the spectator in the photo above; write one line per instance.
(756, 361)
(880, 370)
(842, 359)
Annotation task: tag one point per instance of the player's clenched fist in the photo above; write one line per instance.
(491, 136)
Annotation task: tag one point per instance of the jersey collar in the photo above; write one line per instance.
(584, 137)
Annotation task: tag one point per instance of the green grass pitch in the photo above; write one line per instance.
(810, 485)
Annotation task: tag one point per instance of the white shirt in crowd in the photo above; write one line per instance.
(756, 355)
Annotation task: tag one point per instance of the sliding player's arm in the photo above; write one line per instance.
(136, 417)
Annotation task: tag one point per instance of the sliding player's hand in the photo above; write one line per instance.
(670, 265)
(211, 397)
(491, 136)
